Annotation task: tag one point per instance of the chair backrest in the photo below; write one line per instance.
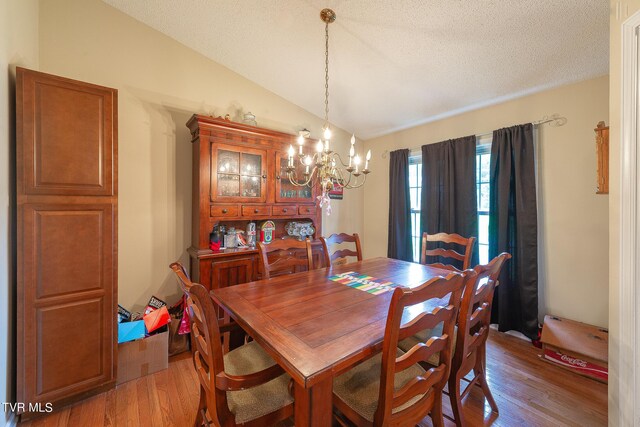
(336, 239)
(444, 238)
(182, 276)
(285, 256)
(449, 290)
(184, 281)
(207, 354)
(475, 312)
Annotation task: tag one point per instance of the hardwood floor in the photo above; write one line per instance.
(529, 392)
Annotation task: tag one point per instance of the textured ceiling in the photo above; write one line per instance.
(393, 63)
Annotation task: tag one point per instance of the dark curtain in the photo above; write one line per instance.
(513, 228)
(399, 245)
(449, 194)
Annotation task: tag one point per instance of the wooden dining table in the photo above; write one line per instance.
(317, 328)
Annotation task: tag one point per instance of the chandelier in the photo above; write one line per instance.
(325, 168)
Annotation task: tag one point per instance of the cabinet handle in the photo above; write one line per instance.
(264, 176)
(224, 211)
(256, 210)
(278, 177)
(284, 210)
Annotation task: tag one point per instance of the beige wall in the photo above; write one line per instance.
(18, 47)
(574, 220)
(161, 83)
(620, 11)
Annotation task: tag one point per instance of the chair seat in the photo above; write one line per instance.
(359, 387)
(422, 336)
(255, 402)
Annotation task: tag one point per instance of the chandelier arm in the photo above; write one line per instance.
(356, 185)
(362, 183)
(293, 179)
(343, 182)
(347, 184)
(340, 158)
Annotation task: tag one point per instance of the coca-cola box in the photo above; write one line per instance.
(576, 346)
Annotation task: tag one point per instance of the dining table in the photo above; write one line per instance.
(316, 325)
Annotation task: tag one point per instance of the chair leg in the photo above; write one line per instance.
(479, 370)
(202, 407)
(456, 402)
(436, 411)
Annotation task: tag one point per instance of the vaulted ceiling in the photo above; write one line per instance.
(393, 63)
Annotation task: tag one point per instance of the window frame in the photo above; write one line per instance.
(483, 148)
(415, 160)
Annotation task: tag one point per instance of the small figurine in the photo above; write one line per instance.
(251, 234)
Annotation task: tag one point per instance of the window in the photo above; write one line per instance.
(415, 188)
(483, 158)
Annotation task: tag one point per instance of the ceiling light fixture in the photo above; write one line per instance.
(325, 167)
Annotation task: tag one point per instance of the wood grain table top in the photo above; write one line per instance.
(314, 327)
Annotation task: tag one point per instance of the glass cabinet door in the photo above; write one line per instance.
(238, 173)
(287, 191)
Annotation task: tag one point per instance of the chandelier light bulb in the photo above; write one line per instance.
(356, 160)
(368, 155)
(319, 146)
(301, 140)
(366, 163)
(307, 162)
(327, 133)
(352, 151)
(353, 139)
(291, 151)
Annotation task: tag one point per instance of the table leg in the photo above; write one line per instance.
(313, 406)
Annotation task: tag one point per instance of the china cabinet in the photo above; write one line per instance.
(239, 176)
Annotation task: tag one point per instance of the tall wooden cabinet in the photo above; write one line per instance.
(66, 156)
(239, 176)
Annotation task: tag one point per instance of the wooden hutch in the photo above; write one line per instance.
(239, 177)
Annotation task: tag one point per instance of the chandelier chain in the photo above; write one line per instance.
(326, 74)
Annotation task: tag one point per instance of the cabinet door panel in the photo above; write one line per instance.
(285, 190)
(238, 174)
(69, 138)
(231, 272)
(68, 299)
(69, 355)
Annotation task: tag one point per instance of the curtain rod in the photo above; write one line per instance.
(556, 120)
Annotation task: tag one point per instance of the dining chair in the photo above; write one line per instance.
(285, 256)
(449, 252)
(340, 256)
(244, 387)
(225, 324)
(392, 388)
(471, 339)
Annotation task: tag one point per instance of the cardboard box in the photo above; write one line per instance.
(576, 346)
(143, 357)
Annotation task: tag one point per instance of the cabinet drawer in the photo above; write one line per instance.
(248, 210)
(285, 210)
(224, 210)
(307, 210)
